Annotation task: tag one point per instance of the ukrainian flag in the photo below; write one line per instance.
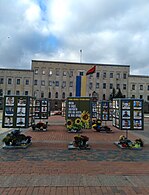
(81, 86)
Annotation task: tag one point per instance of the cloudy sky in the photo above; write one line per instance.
(107, 31)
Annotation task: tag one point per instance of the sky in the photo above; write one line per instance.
(107, 32)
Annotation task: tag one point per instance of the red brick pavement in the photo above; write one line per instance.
(57, 137)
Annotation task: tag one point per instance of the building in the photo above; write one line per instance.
(15, 82)
(56, 81)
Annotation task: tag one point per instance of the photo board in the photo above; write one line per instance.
(41, 108)
(128, 114)
(18, 111)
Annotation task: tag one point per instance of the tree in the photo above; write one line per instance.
(113, 94)
(119, 94)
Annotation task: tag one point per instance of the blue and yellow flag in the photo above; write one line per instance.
(81, 86)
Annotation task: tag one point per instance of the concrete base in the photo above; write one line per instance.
(72, 147)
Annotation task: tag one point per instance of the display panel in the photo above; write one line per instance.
(128, 113)
(77, 107)
(102, 110)
(18, 111)
(41, 108)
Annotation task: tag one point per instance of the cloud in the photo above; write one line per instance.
(107, 32)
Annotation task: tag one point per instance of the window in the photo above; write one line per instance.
(104, 96)
(64, 84)
(43, 72)
(111, 74)
(117, 75)
(71, 73)
(49, 94)
(63, 95)
(17, 92)
(56, 95)
(18, 81)
(148, 87)
(57, 72)
(35, 82)
(42, 94)
(97, 85)
(104, 75)
(9, 92)
(43, 83)
(148, 97)
(57, 83)
(70, 94)
(118, 86)
(141, 96)
(71, 84)
(27, 82)
(81, 73)
(124, 86)
(1, 80)
(1, 92)
(64, 73)
(133, 96)
(141, 87)
(97, 75)
(111, 85)
(9, 81)
(26, 92)
(90, 76)
(50, 72)
(90, 85)
(36, 71)
(133, 87)
(50, 83)
(104, 85)
(124, 76)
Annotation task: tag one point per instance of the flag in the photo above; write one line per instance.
(78, 86)
(81, 86)
(91, 71)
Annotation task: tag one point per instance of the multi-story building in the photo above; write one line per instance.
(15, 82)
(57, 80)
(139, 87)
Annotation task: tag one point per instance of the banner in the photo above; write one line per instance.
(81, 86)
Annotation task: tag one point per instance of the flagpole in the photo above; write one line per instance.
(80, 55)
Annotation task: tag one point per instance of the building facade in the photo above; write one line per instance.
(56, 81)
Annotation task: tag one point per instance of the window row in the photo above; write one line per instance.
(63, 95)
(9, 92)
(54, 83)
(109, 75)
(63, 85)
(141, 97)
(141, 87)
(70, 73)
(18, 81)
(56, 71)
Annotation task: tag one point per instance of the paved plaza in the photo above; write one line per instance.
(48, 167)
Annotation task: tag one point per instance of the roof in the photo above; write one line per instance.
(77, 63)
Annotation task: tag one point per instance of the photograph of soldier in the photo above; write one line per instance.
(10, 101)
(126, 113)
(126, 124)
(137, 104)
(126, 104)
